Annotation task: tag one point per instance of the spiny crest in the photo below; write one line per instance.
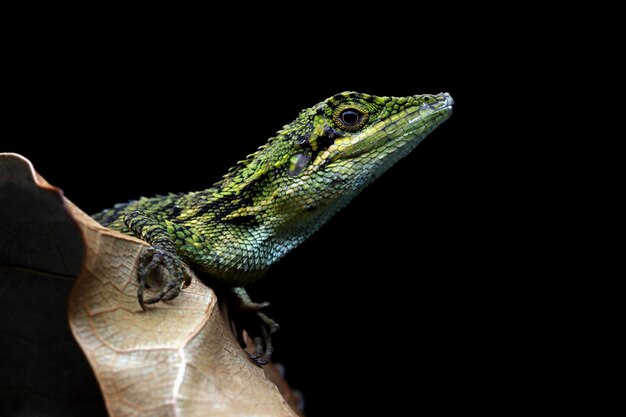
(274, 153)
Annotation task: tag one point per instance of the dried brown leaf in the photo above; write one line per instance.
(179, 358)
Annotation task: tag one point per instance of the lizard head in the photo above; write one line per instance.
(316, 164)
(355, 137)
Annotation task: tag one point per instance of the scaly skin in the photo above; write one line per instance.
(269, 203)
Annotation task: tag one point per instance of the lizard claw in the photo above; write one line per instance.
(150, 259)
(263, 348)
(247, 314)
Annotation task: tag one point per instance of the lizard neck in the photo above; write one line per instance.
(250, 230)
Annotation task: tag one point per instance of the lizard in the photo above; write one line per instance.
(270, 202)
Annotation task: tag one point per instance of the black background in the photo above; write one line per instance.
(404, 281)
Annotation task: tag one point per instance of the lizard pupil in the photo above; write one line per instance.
(350, 117)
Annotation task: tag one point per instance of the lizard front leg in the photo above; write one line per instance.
(167, 240)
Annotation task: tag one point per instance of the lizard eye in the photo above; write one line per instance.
(349, 118)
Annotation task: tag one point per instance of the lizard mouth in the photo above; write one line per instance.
(411, 125)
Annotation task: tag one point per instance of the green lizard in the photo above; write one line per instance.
(269, 203)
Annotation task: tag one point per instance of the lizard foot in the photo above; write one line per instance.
(150, 259)
(247, 314)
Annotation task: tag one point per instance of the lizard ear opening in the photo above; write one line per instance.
(297, 163)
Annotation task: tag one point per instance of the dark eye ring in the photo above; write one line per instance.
(350, 117)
